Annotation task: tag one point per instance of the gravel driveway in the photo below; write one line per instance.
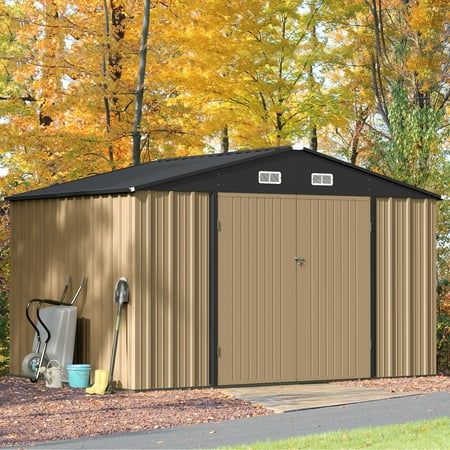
(31, 413)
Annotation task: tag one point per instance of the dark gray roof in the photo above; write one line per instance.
(146, 175)
(167, 171)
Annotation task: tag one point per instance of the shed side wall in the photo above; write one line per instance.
(159, 241)
(171, 320)
(406, 287)
(84, 236)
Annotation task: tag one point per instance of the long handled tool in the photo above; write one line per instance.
(121, 296)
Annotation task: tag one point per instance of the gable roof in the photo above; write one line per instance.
(164, 171)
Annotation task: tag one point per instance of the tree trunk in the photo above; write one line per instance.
(355, 142)
(48, 75)
(313, 141)
(115, 57)
(225, 140)
(377, 58)
(105, 85)
(279, 126)
(49, 81)
(136, 132)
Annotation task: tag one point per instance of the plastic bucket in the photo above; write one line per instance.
(78, 375)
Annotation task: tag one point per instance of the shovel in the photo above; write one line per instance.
(121, 296)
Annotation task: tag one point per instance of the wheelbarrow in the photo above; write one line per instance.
(58, 324)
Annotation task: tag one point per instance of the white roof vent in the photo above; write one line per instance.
(322, 179)
(269, 177)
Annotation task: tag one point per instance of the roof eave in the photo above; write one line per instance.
(20, 197)
(375, 174)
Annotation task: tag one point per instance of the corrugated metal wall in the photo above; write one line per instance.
(55, 238)
(159, 241)
(406, 287)
(173, 250)
(279, 321)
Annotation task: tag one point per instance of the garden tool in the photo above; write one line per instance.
(121, 296)
(57, 324)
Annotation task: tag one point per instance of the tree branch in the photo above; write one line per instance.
(24, 99)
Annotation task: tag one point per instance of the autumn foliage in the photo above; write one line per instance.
(238, 73)
(366, 80)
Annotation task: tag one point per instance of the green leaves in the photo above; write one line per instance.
(416, 137)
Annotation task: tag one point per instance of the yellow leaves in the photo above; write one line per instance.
(241, 63)
(427, 16)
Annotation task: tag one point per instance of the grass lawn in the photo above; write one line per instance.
(427, 434)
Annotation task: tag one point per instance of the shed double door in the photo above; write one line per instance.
(293, 288)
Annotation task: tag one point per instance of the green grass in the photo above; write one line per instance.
(428, 434)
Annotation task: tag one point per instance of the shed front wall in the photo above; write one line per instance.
(159, 241)
(406, 287)
(280, 321)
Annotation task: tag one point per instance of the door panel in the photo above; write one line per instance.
(255, 274)
(333, 295)
(280, 321)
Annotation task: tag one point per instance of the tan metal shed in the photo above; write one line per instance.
(274, 265)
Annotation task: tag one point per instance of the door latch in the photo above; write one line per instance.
(300, 260)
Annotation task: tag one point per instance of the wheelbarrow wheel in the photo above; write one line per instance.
(30, 364)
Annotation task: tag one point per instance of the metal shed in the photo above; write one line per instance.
(267, 266)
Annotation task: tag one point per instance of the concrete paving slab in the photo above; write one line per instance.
(294, 397)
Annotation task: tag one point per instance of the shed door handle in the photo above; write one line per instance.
(300, 260)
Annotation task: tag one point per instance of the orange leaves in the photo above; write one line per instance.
(266, 70)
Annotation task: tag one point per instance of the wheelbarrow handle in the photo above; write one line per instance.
(64, 293)
(43, 324)
(40, 302)
(82, 285)
(27, 313)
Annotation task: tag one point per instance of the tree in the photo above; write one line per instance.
(413, 150)
(136, 133)
(409, 67)
(223, 74)
(249, 71)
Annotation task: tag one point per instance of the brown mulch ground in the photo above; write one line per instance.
(438, 383)
(31, 413)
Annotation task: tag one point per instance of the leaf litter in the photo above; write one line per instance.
(32, 413)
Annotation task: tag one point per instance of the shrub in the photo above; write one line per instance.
(443, 327)
(443, 343)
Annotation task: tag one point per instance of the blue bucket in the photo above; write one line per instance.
(78, 375)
